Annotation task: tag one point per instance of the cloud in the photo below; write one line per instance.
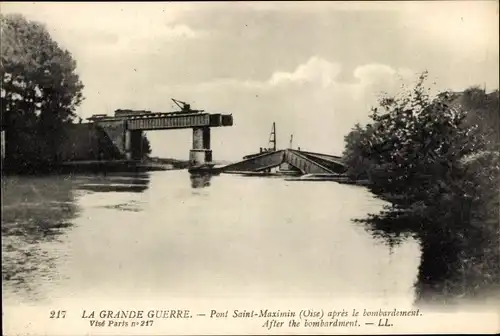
(109, 29)
(319, 6)
(315, 70)
(309, 101)
(372, 71)
(142, 40)
(375, 72)
(105, 15)
(318, 72)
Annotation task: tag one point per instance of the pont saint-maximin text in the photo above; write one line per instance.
(263, 313)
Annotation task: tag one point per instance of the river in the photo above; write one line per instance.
(172, 235)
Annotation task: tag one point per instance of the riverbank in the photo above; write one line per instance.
(114, 166)
(97, 166)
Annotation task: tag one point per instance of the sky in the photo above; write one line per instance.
(314, 68)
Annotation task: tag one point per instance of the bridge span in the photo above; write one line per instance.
(126, 127)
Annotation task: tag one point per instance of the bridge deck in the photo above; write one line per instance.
(168, 120)
(326, 157)
(257, 163)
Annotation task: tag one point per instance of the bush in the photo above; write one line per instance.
(436, 160)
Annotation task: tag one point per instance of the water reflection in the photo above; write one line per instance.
(113, 185)
(389, 227)
(116, 183)
(35, 214)
(200, 180)
(442, 279)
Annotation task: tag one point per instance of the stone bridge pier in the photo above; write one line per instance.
(201, 152)
(133, 144)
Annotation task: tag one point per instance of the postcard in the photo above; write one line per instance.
(267, 168)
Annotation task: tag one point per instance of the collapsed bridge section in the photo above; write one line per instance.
(305, 162)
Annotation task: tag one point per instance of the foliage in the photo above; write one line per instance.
(39, 89)
(145, 146)
(436, 160)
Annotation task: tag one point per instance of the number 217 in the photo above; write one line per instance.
(57, 314)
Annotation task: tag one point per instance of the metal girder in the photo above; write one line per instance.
(257, 163)
(326, 157)
(304, 164)
(268, 160)
(334, 165)
(160, 121)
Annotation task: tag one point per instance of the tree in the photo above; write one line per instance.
(39, 90)
(436, 160)
(355, 156)
(145, 146)
(413, 149)
(483, 111)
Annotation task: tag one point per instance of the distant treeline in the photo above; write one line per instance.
(436, 160)
(177, 164)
